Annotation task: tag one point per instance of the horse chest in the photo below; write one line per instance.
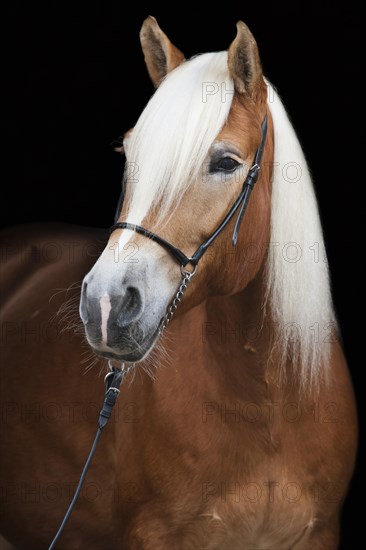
(257, 513)
(223, 515)
(224, 501)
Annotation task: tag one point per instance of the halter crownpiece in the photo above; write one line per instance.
(240, 203)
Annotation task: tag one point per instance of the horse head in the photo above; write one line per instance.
(187, 158)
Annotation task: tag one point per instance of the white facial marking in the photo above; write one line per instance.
(124, 238)
(105, 306)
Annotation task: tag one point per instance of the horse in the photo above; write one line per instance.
(235, 426)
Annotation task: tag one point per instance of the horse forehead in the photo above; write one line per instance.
(242, 126)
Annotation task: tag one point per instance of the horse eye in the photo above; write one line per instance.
(226, 164)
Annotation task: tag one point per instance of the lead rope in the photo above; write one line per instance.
(113, 381)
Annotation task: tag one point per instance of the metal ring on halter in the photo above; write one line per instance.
(184, 270)
(115, 390)
(108, 375)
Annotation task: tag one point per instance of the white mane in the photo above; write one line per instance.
(172, 137)
(298, 282)
(167, 148)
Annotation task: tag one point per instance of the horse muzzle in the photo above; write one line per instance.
(114, 322)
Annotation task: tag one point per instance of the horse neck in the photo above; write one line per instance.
(239, 335)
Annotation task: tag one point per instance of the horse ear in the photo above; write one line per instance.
(244, 62)
(161, 56)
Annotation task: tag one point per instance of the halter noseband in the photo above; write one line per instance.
(240, 204)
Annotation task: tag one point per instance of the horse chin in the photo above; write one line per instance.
(135, 355)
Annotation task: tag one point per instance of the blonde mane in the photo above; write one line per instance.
(298, 286)
(174, 133)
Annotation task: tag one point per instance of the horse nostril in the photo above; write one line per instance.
(130, 308)
(131, 298)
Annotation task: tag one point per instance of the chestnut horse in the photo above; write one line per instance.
(236, 429)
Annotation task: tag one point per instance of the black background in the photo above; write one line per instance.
(76, 81)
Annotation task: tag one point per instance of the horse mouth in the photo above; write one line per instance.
(134, 353)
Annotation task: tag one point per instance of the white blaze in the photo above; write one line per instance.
(105, 306)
